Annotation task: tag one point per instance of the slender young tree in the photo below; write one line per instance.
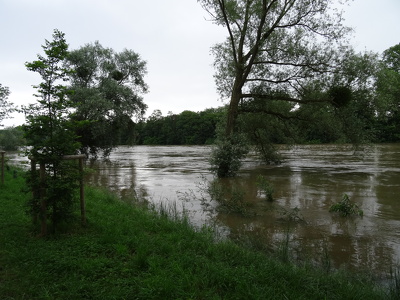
(273, 46)
(50, 133)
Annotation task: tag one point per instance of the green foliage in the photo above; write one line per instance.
(11, 138)
(346, 207)
(227, 154)
(186, 128)
(267, 122)
(341, 95)
(388, 95)
(230, 198)
(350, 114)
(266, 187)
(5, 107)
(391, 58)
(108, 89)
(50, 134)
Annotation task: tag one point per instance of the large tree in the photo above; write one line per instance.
(274, 47)
(108, 88)
(388, 94)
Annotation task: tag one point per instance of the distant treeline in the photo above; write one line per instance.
(186, 128)
(199, 128)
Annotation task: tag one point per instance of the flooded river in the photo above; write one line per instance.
(306, 184)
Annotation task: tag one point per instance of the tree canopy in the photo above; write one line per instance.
(388, 94)
(108, 88)
(49, 129)
(277, 44)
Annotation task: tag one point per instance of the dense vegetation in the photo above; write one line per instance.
(199, 128)
(186, 128)
(147, 255)
(11, 138)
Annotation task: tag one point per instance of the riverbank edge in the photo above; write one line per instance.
(129, 252)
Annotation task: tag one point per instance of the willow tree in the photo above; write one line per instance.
(108, 92)
(273, 48)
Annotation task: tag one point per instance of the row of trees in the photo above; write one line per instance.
(86, 97)
(366, 112)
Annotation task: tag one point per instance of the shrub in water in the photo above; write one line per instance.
(346, 207)
(266, 188)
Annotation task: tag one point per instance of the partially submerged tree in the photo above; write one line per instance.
(274, 48)
(108, 88)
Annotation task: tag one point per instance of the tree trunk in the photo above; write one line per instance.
(233, 109)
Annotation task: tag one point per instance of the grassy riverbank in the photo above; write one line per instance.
(127, 252)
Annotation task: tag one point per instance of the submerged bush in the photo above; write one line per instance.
(266, 188)
(346, 207)
(229, 198)
(227, 154)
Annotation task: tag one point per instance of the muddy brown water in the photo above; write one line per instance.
(310, 179)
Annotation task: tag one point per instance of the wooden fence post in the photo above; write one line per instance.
(35, 192)
(42, 193)
(82, 192)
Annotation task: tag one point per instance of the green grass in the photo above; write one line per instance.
(127, 252)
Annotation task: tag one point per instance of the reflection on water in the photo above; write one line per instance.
(309, 181)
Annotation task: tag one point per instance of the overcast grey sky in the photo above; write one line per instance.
(173, 36)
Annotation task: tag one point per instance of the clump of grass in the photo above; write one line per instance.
(266, 187)
(284, 248)
(346, 207)
(230, 198)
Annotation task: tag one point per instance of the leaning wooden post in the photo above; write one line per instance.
(82, 192)
(43, 206)
(2, 166)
